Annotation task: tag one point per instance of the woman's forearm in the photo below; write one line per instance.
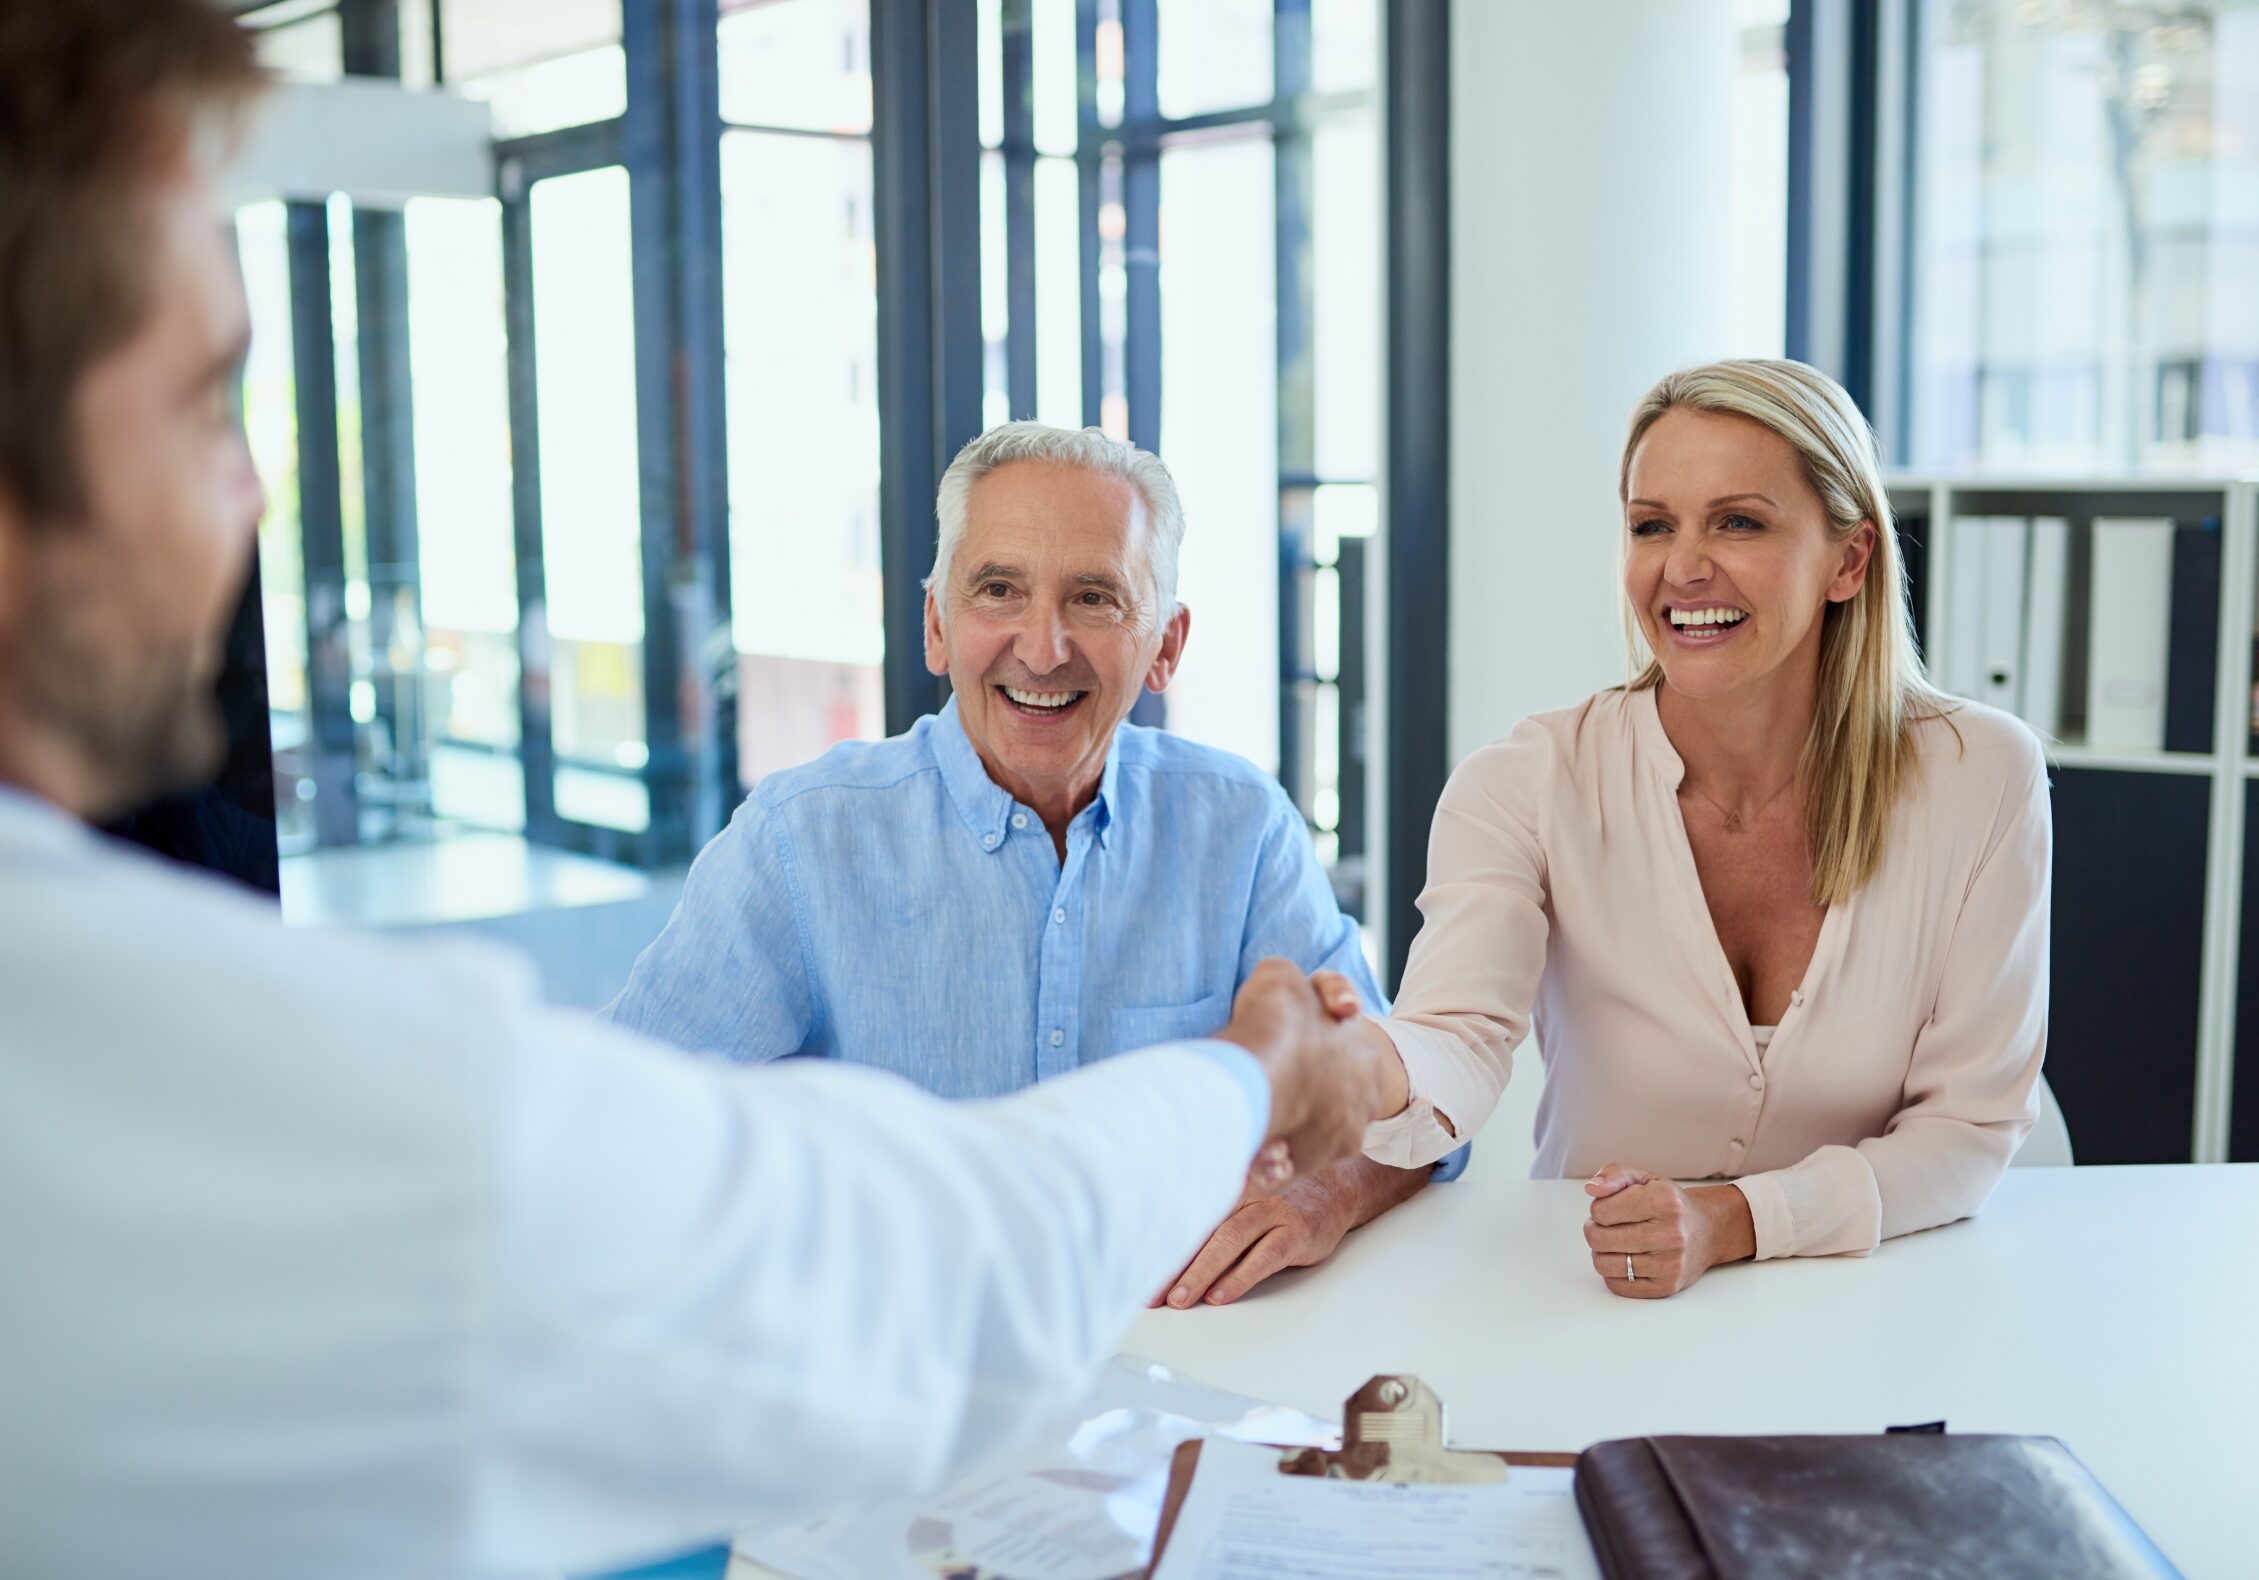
(1731, 1229)
(1396, 1084)
(1396, 1081)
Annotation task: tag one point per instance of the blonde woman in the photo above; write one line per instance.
(1777, 909)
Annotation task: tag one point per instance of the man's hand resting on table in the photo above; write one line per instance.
(1323, 1094)
(1297, 1228)
(1326, 1084)
(1652, 1237)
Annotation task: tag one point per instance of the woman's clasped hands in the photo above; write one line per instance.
(1652, 1237)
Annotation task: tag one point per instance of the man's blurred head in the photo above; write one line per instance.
(128, 506)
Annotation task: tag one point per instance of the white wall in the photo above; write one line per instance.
(1592, 192)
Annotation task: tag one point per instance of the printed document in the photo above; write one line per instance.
(1242, 1520)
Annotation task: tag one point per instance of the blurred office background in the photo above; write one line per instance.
(607, 353)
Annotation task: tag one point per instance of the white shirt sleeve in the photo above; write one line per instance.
(728, 1296)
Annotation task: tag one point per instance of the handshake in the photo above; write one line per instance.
(1331, 1072)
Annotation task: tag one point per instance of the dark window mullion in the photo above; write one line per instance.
(1353, 688)
(1293, 188)
(1287, 112)
(1416, 233)
(817, 134)
(388, 475)
(536, 747)
(1089, 164)
(565, 152)
(659, 165)
(1018, 76)
(331, 745)
(1141, 225)
(371, 48)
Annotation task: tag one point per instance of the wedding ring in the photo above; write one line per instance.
(1630, 1275)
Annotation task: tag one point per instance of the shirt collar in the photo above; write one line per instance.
(984, 806)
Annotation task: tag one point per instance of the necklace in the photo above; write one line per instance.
(1733, 820)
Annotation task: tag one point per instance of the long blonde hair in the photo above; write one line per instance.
(1873, 690)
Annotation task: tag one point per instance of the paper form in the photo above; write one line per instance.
(1242, 1520)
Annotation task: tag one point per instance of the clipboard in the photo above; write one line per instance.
(1392, 1431)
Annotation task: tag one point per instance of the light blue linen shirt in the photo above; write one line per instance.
(889, 904)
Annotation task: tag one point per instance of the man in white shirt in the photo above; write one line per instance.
(329, 1257)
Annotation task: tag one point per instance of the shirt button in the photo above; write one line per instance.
(988, 841)
(1796, 1001)
(1735, 1143)
(1058, 1037)
(1019, 820)
(1059, 917)
(1756, 1083)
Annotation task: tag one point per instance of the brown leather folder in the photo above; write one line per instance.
(1902, 1505)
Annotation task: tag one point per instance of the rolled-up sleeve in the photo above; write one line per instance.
(1971, 1087)
(1475, 966)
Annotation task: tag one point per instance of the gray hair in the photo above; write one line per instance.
(1087, 447)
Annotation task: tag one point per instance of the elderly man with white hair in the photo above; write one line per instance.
(1023, 883)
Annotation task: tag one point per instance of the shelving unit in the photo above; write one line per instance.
(2136, 883)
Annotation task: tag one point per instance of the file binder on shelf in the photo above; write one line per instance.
(2000, 658)
(1963, 644)
(1985, 594)
(2047, 600)
(2129, 615)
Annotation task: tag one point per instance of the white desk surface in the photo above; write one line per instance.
(2114, 1308)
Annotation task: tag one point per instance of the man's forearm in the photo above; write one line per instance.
(1373, 1188)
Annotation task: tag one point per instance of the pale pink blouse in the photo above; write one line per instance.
(1562, 894)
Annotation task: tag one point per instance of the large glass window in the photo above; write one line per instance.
(1210, 234)
(1031, 212)
(1214, 55)
(800, 306)
(378, 402)
(1219, 436)
(1190, 259)
(537, 67)
(466, 624)
(591, 511)
(801, 64)
(2086, 235)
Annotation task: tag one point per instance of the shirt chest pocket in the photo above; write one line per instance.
(1143, 1027)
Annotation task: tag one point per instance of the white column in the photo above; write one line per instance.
(1591, 186)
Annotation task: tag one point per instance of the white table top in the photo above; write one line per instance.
(2114, 1308)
